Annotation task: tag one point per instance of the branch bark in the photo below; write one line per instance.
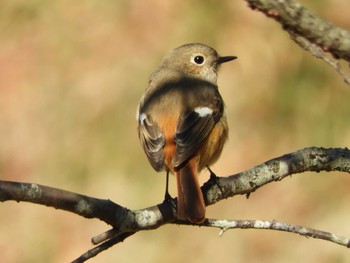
(225, 225)
(126, 222)
(300, 22)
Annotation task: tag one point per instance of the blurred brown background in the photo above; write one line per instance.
(71, 76)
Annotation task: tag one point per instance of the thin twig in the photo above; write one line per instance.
(317, 52)
(225, 225)
(102, 247)
(104, 236)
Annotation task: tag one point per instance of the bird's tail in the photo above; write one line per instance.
(190, 202)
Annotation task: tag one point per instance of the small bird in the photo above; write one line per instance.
(181, 121)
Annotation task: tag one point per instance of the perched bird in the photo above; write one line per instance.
(181, 122)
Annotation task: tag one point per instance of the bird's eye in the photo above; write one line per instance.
(199, 60)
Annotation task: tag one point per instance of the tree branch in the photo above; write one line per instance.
(300, 22)
(82, 205)
(317, 52)
(225, 225)
(102, 247)
(126, 222)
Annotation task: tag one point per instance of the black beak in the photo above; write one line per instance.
(226, 59)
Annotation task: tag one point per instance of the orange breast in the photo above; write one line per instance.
(212, 147)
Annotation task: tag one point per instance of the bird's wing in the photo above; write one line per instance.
(152, 140)
(193, 127)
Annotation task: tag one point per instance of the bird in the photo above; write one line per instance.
(182, 125)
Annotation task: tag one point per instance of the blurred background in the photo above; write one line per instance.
(71, 76)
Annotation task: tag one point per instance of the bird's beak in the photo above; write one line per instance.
(226, 59)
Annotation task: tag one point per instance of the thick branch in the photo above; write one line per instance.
(82, 205)
(309, 159)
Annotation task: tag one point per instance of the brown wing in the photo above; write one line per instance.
(193, 127)
(152, 141)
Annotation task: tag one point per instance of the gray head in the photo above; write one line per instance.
(195, 60)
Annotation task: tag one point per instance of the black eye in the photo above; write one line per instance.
(198, 60)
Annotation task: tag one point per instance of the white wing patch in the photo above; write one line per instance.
(142, 117)
(203, 111)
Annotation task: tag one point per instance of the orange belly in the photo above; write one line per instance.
(211, 148)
